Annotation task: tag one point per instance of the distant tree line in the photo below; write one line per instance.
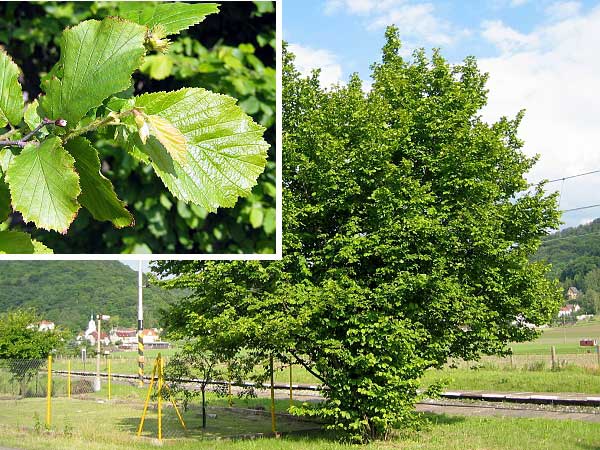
(574, 255)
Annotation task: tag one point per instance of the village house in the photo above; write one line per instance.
(45, 325)
(568, 310)
(150, 336)
(92, 338)
(572, 293)
(123, 336)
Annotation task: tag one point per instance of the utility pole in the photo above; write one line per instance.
(140, 326)
(99, 319)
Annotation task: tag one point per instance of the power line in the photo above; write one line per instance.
(568, 178)
(580, 208)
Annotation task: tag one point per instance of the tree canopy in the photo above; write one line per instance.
(20, 338)
(407, 238)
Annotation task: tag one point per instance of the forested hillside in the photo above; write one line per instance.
(67, 292)
(575, 257)
(572, 252)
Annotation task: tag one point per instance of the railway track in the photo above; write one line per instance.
(527, 398)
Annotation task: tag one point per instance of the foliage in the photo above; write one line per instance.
(162, 223)
(204, 365)
(406, 241)
(573, 253)
(67, 292)
(20, 338)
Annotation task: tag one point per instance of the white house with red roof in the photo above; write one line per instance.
(46, 325)
(568, 310)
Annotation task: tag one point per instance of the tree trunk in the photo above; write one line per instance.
(203, 408)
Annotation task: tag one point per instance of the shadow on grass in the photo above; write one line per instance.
(222, 423)
(440, 419)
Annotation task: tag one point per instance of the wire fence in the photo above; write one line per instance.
(70, 397)
(104, 397)
(551, 358)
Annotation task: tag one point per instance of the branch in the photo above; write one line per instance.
(111, 119)
(305, 365)
(24, 140)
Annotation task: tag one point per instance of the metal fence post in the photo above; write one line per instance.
(273, 421)
(229, 395)
(109, 373)
(49, 394)
(69, 378)
(291, 388)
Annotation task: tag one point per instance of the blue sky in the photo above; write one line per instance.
(541, 55)
(134, 265)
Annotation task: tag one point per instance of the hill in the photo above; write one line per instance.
(67, 292)
(573, 253)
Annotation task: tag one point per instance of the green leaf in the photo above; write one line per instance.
(172, 17)
(256, 217)
(44, 185)
(6, 157)
(97, 193)
(169, 136)
(269, 222)
(39, 248)
(32, 117)
(5, 209)
(157, 66)
(11, 95)
(16, 242)
(226, 149)
(97, 60)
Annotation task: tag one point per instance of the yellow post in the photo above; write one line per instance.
(175, 407)
(69, 378)
(141, 427)
(109, 379)
(291, 389)
(160, 385)
(273, 423)
(49, 394)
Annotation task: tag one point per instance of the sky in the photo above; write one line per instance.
(134, 265)
(542, 56)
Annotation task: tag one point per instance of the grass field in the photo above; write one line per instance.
(95, 426)
(564, 338)
(569, 379)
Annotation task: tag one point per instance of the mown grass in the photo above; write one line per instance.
(564, 338)
(567, 379)
(95, 426)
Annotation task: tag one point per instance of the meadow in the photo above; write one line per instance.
(112, 425)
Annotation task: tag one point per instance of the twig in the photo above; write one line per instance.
(24, 140)
(112, 119)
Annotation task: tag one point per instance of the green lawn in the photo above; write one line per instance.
(570, 379)
(96, 426)
(564, 338)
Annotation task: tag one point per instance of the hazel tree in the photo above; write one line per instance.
(204, 148)
(408, 232)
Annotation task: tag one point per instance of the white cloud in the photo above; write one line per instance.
(506, 38)
(365, 7)
(415, 21)
(552, 72)
(308, 59)
(562, 10)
